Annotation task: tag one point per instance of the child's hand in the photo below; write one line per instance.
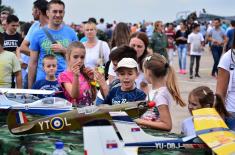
(76, 69)
(99, 76)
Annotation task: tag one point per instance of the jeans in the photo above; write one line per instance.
(170, 52)
(192, 58)
(182, 54)
(230, 121)
(216, 53)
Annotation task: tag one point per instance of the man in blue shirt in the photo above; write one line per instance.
(42, 45)
(230, 36)
(127, 71)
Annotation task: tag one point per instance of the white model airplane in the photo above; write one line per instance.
(45, 106)
(210, 128)
(133, 138)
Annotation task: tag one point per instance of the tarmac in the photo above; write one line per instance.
(178, 114)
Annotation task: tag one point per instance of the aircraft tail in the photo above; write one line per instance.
(104, 140)
(15, 119)
(130, 131)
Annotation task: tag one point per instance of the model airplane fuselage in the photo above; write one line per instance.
(72, 120)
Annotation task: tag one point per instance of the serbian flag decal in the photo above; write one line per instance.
(21, 118)
(135, 129)
(111, 145)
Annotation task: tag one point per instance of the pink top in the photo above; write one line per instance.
(85, 96)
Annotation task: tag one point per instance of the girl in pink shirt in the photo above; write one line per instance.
(75, 81)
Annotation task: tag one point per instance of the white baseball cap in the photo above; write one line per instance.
(127, 63)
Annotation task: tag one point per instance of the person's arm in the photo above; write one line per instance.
(222, 82)
(163, 123)
(24, 47)
(18, 76)
(33, 62)
(72, 88)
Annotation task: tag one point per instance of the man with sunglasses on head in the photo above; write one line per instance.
(52, 39)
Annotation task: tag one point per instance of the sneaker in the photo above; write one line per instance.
(181, 71)
(191, 77)
(197, 75)
(184, 71)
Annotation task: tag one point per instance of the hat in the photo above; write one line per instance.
(127, 63)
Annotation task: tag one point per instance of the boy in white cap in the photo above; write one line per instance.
(127, 72)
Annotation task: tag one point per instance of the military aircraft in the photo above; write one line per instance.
(210, 128)
(71, 120)
(45, 106)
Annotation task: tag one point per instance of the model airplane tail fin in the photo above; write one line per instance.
(212, 129)
(103, 140)
(5, 103)
(130, 131)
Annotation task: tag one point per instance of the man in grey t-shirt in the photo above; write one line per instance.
(217, 38)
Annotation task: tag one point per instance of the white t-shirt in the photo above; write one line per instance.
(160, 96)
(195, 40)
(188, 127)
(225, 63)
(92, 54)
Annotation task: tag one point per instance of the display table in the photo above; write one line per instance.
(43, 144)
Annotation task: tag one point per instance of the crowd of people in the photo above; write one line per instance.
(98, 63)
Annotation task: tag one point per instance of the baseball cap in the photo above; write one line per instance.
(127, 63)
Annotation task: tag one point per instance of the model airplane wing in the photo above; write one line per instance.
(130, 131)
(211, 128)
(104, 140)
(26, 91)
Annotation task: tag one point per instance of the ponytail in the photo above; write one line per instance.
(220, 107)
(173, 87)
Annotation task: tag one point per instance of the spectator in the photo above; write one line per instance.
(42, 44)
(9, 65)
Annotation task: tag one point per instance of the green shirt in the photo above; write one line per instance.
(158, 43)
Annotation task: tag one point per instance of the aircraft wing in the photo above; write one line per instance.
(130, 131)
(26, 91)
(104, 140)
(211, 128)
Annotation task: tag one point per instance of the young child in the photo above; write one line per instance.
(127, 72)
(196, 42)
(115, 56)
(50, 83)
(201, 97)
(75, 81)
(164, 87)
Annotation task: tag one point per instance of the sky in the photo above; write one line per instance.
(127, 10)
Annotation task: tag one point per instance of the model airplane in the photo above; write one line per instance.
(133, 138)
(45, 106)
(210, 128)
(72, 120)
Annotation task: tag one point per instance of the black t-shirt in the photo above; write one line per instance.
(11, 42)
(179, 33)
